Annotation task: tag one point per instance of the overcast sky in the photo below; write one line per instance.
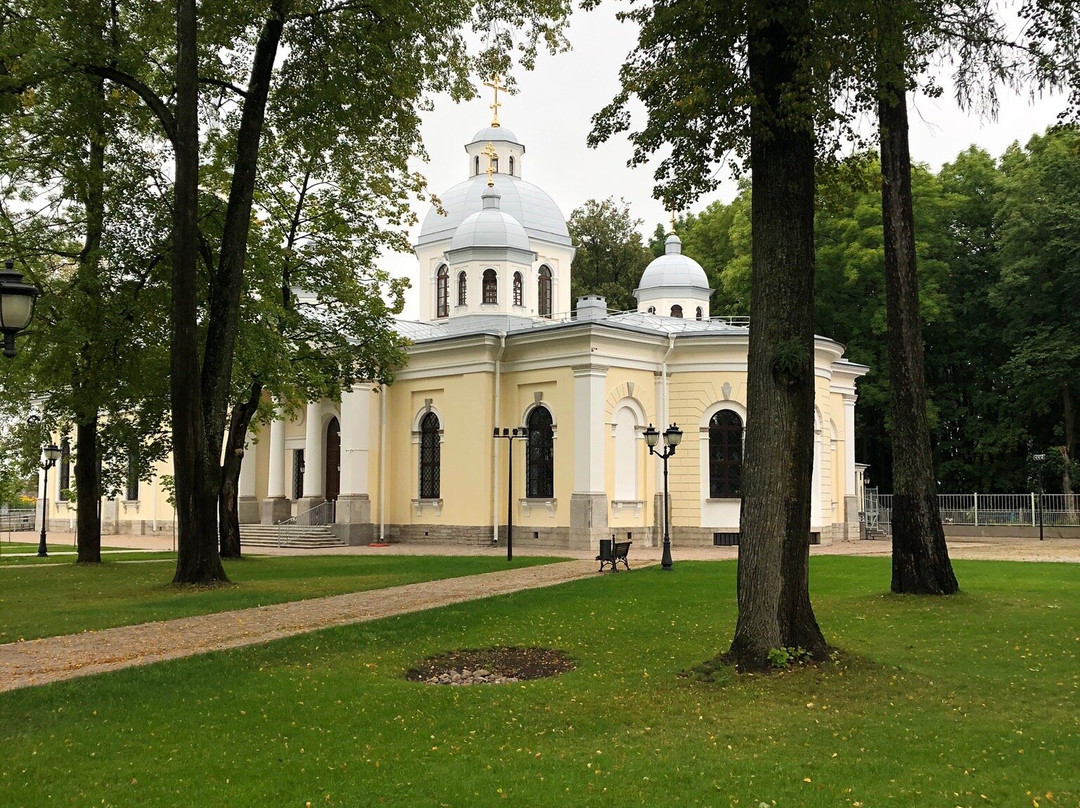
(551, 115)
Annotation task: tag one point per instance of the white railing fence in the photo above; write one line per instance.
(15, 520)
(1058, 510)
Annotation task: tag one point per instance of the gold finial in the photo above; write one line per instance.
(672, 222)
(496, 86)
(492, 156)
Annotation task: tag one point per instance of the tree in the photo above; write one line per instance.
(75, 183)
(610, 255)
(1038, 288)
(298, 50)
(715, 82)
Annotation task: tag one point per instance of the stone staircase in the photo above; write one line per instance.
(298, 537)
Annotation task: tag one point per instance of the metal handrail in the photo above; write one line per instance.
(322, 514)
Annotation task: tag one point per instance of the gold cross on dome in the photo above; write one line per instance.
(673, 221)
(492, 156)
(496, 86)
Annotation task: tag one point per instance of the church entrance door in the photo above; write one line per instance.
(333, 460)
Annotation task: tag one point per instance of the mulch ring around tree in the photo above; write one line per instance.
(473, 666)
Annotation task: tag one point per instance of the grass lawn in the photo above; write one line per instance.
(49, 596)
(965, 701)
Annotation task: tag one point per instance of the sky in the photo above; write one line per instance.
(551, 113)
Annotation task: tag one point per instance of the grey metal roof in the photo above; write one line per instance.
(491, 227)
(508, 323)
(531, 206)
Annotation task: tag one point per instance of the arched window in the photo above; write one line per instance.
(725, 454)
(131, 492)
(518, 289)
(676, 310)
(476, 165)
(442, 292)
(540, 457)
(652, 309)
(461, 289)
(543, 292)
(491, 286)
(430, 456)
(495, 164)
(699, 313)
(65, 470)
(511, 159)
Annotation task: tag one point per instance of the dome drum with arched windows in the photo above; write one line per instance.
(674, 285)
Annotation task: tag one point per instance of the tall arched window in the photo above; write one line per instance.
(461, 289)
(65, 470)
(543, 292)
(511, 165)
(495, 164)
(676, 310)
(491, 286)
(518, 289)
(725, 454)
(476, 165)
(430, 456)
(540, 456)
(699, 313)
(442, 292)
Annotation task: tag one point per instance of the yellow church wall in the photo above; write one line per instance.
(555, 387)
(636, 390)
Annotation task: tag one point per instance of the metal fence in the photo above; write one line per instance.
(18, 520)
(1058, 510)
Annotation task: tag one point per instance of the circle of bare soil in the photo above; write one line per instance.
(503, 664)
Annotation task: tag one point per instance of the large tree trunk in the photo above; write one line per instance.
(197, 560)
(228, 280)
(228, 512)
(87, 490)
(773, 575)
(920, 558)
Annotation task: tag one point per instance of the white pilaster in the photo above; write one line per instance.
(589, 443)
(850, 489)
(247, 470)
(355, 440)
(314, 452)
(276, 484)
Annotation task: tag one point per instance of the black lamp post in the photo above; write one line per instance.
(49, 455)
(672, 438)
(1039, 460)
(511, 435)
(16, 305)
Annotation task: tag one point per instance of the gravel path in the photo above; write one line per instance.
(52, 659)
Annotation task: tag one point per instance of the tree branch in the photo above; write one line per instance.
(153, 101)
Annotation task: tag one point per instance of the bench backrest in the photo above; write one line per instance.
(621, 548)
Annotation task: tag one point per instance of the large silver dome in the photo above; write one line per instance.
(532, 207)
(673, 269)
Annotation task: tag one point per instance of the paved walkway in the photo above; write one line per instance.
(53, 659)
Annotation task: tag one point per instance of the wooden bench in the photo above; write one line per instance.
(612, 552)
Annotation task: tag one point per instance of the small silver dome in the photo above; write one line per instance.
(491, 227)
(494, 133)
(673, 269)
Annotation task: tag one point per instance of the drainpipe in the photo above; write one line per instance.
(382, 464)
(495, 443)
(664, 373)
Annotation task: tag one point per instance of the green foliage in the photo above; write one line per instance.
(788, 657)
(610, 254)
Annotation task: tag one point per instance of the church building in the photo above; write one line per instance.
(497, 347)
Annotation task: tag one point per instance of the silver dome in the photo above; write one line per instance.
(494, 133)
(673, 269)
(525, 202)
(491, 227)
